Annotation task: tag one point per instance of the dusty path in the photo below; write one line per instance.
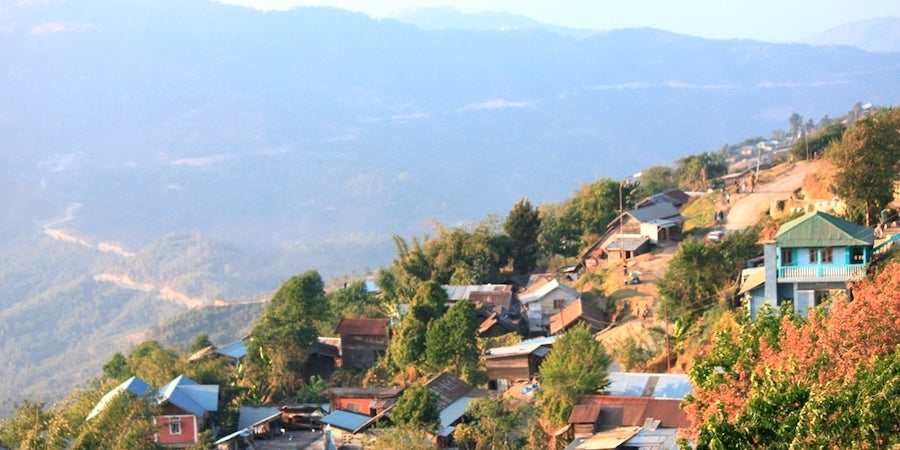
(746, 208)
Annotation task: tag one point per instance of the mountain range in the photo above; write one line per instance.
(160, 156)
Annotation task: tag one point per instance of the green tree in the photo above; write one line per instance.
(407, 348)
(155, 364)
(817, 144)
(450, 342)
(280, 340)
(657, 179)
(117, 367)
(417, 407)
(595, 205)
(27, 427)
(696, 171)
(867, 164)
(200, 342)
(796, 123)
(354, 301)
(557, 235)
(576, 365)
(699, 272)
(125, 422)
(495, 424)
(523, 225)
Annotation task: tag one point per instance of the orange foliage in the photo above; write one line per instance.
(830, 345)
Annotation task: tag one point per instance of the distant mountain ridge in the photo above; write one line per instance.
(874, 35)
(449, 18)
(228, 149)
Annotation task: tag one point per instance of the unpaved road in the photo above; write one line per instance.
(746, 208)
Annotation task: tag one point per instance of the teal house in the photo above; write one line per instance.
(811, 258)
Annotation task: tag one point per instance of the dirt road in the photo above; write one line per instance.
(746, 208)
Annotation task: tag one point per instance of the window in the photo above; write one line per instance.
(813, 255)
(559, 303)
(827, 255)
(787, 257)
(857, 255)
(175, 426)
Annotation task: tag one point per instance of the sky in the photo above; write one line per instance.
(764, 20)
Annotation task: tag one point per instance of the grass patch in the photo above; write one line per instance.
(700, 213)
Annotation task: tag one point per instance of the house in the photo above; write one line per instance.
(634, 232)
(186, 407)
(811, 258)
(577, 312)
(303, 416)
(544, 299)
(454, 396)
(520, 362)
(585, 419)
(497, 306)
(674, 197)
(366, 401)
(262, 422)
(362, 341)
(639, 410)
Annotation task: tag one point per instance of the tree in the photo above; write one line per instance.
(699, 272)
(657, 179)
(117, 367)
(696, 171)
(27, 427)
(280, 340)
(523, 225)
(796, 121)
(125, 422)
(200, 342)
(450, 342)
(153, 363)
(868, 164)
(576, 365)
(785, 382)
(354, 301)
(494, 424)
(417, 407)
(819, 142)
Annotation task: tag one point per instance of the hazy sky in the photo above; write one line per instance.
(766, 20)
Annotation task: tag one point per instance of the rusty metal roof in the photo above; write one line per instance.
(586, 413)
(579, 309)
(362, 327)
(621, 411)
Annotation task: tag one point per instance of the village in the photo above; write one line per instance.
(806, 260)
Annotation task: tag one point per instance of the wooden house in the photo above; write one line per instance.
(366, 401)
(362, 341)
(577, 312)
(544, 299)
(520, 362)
(585, 419)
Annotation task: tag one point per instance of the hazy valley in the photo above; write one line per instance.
(157, 157)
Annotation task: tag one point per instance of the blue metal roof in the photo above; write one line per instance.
(236, 350)
(346, 420)
(134, 385)
(655, 385)
(194, 398)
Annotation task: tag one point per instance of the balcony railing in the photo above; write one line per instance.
(834, 272)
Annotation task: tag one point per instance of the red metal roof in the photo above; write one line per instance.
(586, 413)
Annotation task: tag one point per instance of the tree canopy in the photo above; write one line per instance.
(417, 407)
(576, 365)
(867, 162)
(523, 226)
(784, 382)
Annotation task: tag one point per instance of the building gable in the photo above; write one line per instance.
(819, 229)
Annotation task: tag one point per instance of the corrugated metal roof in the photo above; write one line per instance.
(604, 440)
(456, 292)
(454, 411)
(346, 420)
(134, 385)
(576, 310)
(186, 394)
(522, 348)
(586, 413)
(362, 327)
(657, 211)
(236, 350)
(617, 411)
(656, 385)
(545, 289)
(752, 278)
(819, 229)
(254, 415)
